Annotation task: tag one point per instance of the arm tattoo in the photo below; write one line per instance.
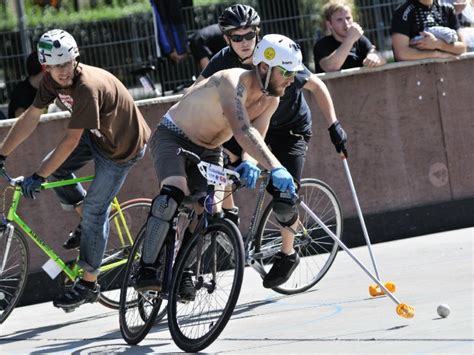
(251, 136)
(213, 82)
(239, 108)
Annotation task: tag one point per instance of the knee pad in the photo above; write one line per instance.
(285, 210)
(163, 209)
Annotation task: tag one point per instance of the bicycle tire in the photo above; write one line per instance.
(15, 273)
(135, 212)
(194, 325)
(137, 311)
(317, 253)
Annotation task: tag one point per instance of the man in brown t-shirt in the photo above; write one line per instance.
(105, 126)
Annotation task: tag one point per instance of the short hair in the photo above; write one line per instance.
(334, 6)
(33, 65)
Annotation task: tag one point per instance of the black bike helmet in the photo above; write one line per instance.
(238, 16)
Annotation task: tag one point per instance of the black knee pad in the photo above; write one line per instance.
(163, 209)
(285, 210)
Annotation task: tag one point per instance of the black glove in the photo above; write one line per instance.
(338, 137)
(2, 164)
(31, 185)
(2, 161)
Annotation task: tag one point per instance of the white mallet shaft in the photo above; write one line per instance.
(359, 212)
(346, 249)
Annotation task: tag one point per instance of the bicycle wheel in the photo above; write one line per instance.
(119, 246)
(316, 249)
(214, 260)
(137, 310)
(13, 271)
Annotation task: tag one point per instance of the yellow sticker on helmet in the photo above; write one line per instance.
(269, 53)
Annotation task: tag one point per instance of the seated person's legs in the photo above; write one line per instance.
(163, 210)
(234, 152)
(109, 178)
(175, 174)
(292, 156)
(286, 261)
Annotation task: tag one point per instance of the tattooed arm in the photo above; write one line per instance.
(233, 97)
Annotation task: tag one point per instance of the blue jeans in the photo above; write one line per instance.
(109, 178)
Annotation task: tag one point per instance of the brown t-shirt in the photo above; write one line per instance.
(98, 101)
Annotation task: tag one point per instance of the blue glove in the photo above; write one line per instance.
(250, 172)
(283, 180)
(31, 185)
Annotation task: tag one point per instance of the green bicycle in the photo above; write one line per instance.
(125, 220)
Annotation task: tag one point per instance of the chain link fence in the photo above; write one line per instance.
(123, 45)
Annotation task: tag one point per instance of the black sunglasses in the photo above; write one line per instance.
(239, 38)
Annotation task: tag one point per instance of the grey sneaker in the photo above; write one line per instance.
(283, 267)
(77, 296)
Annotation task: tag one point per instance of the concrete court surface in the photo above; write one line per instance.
(337, 316)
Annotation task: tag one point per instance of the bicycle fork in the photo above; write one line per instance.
(8, 231)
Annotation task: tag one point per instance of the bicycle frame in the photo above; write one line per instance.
(75, 271)
(252, 229)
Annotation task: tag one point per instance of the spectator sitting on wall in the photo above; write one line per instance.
(465, 13)
(206, 42)
(346, 47)
(170, 32)
(426, 29)
(24, 93)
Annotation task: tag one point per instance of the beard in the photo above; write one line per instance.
(274, 90)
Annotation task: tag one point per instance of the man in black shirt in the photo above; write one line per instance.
(24, 93)
(412, 36)
(206, 42)
(346, 47)
(289, 131)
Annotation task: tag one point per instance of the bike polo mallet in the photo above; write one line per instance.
(374, 290)
(403, 309)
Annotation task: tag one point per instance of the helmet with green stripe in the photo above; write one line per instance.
(57, 47)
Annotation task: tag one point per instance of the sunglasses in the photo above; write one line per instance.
(239, 38)
(286, 73)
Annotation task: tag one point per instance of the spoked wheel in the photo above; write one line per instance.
(138, 310)
(206, 285)
(119, 245)
(316, 249)
(13, 270)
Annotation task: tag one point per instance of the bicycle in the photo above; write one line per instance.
(212, 258)
(317, 250)
(125, 220)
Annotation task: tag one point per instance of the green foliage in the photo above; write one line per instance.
(65, 15)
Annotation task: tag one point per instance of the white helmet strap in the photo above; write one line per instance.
(264, 86)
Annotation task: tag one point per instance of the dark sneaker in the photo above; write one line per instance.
(283, 267)
(187, 291)
(77, 295)
(146, 279)
(232, 214)
(74, 239)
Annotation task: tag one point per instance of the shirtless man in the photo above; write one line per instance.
(234, 102)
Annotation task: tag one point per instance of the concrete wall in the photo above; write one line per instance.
(410, 129)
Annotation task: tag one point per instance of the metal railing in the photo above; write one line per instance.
(123, 45)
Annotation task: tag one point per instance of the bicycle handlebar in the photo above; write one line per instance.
(12, 181)
(214, 174)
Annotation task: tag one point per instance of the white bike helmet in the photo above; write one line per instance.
(57, 47)
(277, 50)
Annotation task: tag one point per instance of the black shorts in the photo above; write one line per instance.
(164, 144)
(290, 150)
